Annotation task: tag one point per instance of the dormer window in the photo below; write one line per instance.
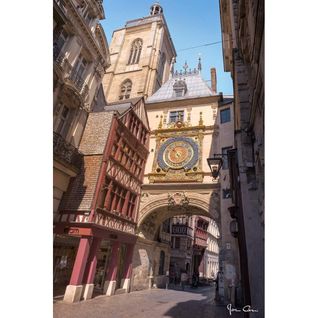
(180, 88)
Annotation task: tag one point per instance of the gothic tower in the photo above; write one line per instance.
(142, 57)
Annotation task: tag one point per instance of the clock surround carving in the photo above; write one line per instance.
(186, 170)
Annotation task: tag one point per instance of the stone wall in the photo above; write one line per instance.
(146, 264)
(243, 21)
(143, 74)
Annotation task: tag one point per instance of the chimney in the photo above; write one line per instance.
(213, 80)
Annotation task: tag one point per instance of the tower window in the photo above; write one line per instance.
(125, 89)
(135, 52)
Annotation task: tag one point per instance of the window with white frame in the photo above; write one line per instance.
(175, 116)
(59, 43)
(62, 119)
(79, 69)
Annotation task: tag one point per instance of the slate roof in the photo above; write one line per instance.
(121, 106)
(196, 87)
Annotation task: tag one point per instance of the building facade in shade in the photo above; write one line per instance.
(229, 261)
(96, 224)
(209, 266)
(242, 24)
(194, 247)
(141, 56)
(181, 247)
(80, 60)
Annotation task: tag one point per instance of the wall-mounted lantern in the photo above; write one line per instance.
(215, 165)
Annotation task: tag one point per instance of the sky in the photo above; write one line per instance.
(191, 23)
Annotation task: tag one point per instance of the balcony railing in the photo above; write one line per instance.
(182, 229)
(79, 84)
(200, 242)
(101, 218)
(201, 234)
(66, 152)
(77, 80)
(62, 62)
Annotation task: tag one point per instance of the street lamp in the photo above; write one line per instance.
(215, 163)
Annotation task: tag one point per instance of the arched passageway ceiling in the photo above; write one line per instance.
(156, 208)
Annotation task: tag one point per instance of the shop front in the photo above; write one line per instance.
(98, 262)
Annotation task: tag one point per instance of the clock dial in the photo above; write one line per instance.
(177, 153)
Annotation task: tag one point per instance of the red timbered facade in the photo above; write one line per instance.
(98, 212)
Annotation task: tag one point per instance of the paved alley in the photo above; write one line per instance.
(155, 303)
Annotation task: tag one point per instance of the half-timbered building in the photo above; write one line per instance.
(95, 229)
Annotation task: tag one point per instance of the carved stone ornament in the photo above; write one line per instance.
(100, 70)
(179, 200)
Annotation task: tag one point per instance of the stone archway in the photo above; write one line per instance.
(156, 208)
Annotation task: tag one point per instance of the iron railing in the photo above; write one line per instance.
(66, 152)
(182, 229)
(77, 80)
(61, 5)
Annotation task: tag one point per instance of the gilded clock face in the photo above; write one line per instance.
(177, 153)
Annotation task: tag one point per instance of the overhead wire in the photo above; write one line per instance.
(194, 47)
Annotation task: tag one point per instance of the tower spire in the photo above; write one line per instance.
(199, 65)
(173, 60)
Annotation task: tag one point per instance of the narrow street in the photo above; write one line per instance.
(155, 303)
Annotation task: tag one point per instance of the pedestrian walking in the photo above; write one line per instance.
(195, 280)
(184, 278)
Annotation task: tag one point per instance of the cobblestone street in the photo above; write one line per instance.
(155, 303)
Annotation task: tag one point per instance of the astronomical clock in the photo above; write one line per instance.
(178, 156)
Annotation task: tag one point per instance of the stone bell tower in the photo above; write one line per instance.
(142, 56)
